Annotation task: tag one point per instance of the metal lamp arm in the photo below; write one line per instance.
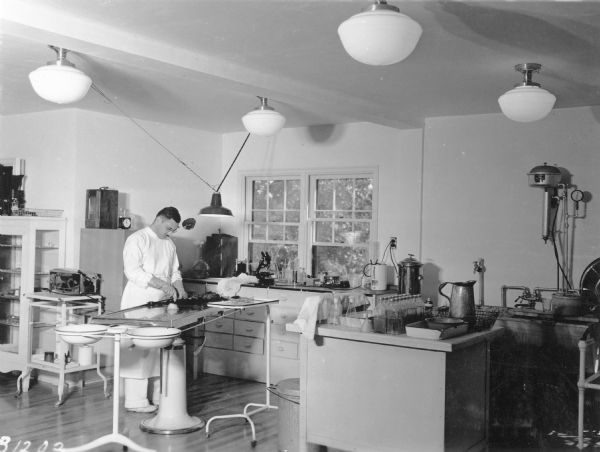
(232, 163)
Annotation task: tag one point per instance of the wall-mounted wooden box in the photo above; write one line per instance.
(102, 209)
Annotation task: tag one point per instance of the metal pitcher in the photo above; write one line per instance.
(462, 300)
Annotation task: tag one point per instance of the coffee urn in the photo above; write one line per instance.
(409, 276)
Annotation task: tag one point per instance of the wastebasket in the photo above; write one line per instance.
(287, 398)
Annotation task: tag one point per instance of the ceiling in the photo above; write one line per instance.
(201, 64)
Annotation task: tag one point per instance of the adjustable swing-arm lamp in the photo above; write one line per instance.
(216, 208)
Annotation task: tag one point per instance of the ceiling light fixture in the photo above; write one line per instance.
(264, 120)
(380, 35)
(60, 81)
(527, 102)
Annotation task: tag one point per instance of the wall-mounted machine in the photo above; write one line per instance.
(558, 227)
(547, 177)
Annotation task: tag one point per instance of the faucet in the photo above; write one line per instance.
(525, 295)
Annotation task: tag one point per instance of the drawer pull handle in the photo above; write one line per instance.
(249, 330)
(280, 348)
(218, 325)
(247, 346)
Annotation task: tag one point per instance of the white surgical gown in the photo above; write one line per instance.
(145, 255)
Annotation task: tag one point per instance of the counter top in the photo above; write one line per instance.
(299, 288)
(402, 340)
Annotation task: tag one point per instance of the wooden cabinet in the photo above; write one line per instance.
(101, 251)
(29, 248)
(381, 393)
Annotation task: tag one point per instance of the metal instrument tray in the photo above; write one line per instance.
(421, 330)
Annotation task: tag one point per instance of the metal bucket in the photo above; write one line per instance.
(287, 394)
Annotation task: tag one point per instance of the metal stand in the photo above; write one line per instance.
(115, 436)
(259, 406)
(63, 305)
(582, 384)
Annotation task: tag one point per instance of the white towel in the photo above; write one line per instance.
(229, 287)
(307, 317)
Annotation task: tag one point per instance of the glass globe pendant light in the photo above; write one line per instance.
(60, 81)
(380, 35)
(527, 102)
(264, 120)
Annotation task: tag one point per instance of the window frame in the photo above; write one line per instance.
(307, 202)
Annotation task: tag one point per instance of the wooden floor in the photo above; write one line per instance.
(33, 418)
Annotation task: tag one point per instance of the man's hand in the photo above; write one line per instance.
(167, 288)
(180, 289)
(170, 291)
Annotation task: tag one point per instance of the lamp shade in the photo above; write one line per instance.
(526, 103)
(381, 36)
(61, 84)
(263, 122)
(216, 208)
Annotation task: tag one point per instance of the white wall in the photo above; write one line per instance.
(46, 142)
(477, 202)
(113, 152)
(70, 151)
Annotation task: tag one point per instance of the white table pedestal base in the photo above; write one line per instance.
(172, 417)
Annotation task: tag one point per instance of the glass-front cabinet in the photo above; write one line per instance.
(29, 248)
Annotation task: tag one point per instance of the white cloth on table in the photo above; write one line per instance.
(307, 317)
(229, 287)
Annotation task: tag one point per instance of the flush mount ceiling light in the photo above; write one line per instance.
(264, 120)
(380, 35)
(527, 102)
(60, 81)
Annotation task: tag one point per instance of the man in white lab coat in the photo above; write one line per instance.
(152, 270)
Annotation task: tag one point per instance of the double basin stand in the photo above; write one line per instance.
(173, 372)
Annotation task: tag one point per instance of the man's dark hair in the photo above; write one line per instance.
(171, 213)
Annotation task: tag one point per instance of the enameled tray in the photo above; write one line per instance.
(420, 330)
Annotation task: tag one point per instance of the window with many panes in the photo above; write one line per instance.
(323, 222)
(274, 219)
(342, 218)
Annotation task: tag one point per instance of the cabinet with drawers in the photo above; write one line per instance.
(235, 345)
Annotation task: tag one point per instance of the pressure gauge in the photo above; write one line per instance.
(577, 195)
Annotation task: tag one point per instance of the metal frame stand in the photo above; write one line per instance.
(115, 436)
(259, 406)
(582, 384)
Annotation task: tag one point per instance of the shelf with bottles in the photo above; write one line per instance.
(11, 271)
(10, 245)
(46, 247)
(10, 320)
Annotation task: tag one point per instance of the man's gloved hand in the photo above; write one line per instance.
(169, 291)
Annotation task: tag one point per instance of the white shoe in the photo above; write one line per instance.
(143, 409)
